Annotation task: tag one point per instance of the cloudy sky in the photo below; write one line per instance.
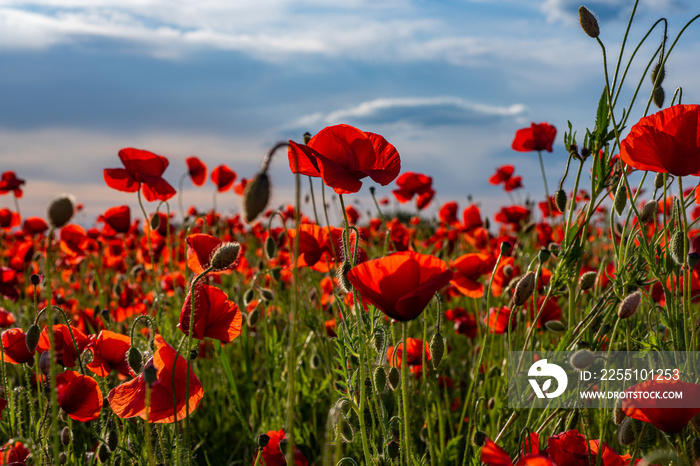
(447, 82)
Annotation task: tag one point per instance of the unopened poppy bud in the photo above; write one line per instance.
(256, 195)
(32, 337)
(393, 449)
(155, 221)
(346, 431)
(693, 259)
(35, 279)
(505, 247)
(648, 212)
(560, 200)
(659, 181)
(394, 378)
(253, 317)
(620, 201)
(658, 73)
(225, 256)
(266, 294)
(659, 96)
(395, 427)
(45, 363)
(479, 438)
(378, 339)
(315, 361)
(582, 359)
(248, 296)
(437, 349)
(61, 210)
(380, 379)
(587, 280)
(270, 247)
(677, 246)
(62, 458)
(554, 326)
(618, 414)
(543, 255)
(629, 305)
(588, 22)
(524, 289)
(103, 453)
(134, 359)
(629, 431)
(508, 271)
(194, 352)
(65, 436)
(342, 274)
(307, 137)
(112, 440)
(263, 440)
(150, 373)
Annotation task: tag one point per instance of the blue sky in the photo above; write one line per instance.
(447, 82)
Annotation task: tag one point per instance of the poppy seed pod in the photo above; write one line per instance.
(256, 196)
(61, 210)
(629, 305)
(35, 279)
(524, 289)
(648, 212)
(588, 22)
(437, 349)
(505, 247)
(582, 359)
(225, 256)
(587, 280)
(677, 246)
(560, 200)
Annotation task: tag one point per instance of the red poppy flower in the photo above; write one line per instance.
(129, 399)
(14, 344)
(215, 316)
(353, 214)
(14, 453)
(65, 349)
(8, 283)
(239, 188)
(141, 169)
(73, 242)
(493, 455)
(667, 415)
(342, 155)
(6, 318)
(414, 355)
(665, 142)
(315, 245)
(117, 218)
(539, 136)
(223, 177)
(197, 170)
(109, 353)
(572, 449)
(499, 319)
(10, 182)
(34, 226)
(513, 183)
(79, 396)
(411, 184)
(469, 268)
(9, 219)
(502, 174)
(400, 284)
(513, 215)
(472, 217)
(273, 456)
(448, 213)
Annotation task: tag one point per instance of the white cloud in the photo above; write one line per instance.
(422, 112)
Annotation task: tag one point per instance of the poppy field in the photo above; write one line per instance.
(272, 336)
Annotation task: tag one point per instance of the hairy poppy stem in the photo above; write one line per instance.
(52, 347)
(546, 188)
(404, 393)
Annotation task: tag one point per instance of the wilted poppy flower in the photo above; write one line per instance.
(665, 142)
(215, 316)
(197, 170)
(223, 177)
(79, 396)
(129, 399)
(34, 226)
(669, 415)
(342, 155)
(9, 219)
(65, 349)
(141, 169)
(539, 136)
(400, 284)
(273, 456)
(469, 268)
(117, 218)
(10, 182)
(14, 344)
(109, 353)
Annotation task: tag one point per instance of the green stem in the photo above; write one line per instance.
(404, 394)
(546, 188)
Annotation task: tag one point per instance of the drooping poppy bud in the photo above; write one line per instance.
(620, 198)
(560, 200)
(61, 210)
(658, 73)
(659, 96)
(648, 212)
(677, 246)
(437, 349)
(582, 359)
(524, 289)
(135, 359)
(588, 22)
(380, 379)
(32, 337)
(256, 196)
(394, 378)
(629, 305)
(587, 280)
